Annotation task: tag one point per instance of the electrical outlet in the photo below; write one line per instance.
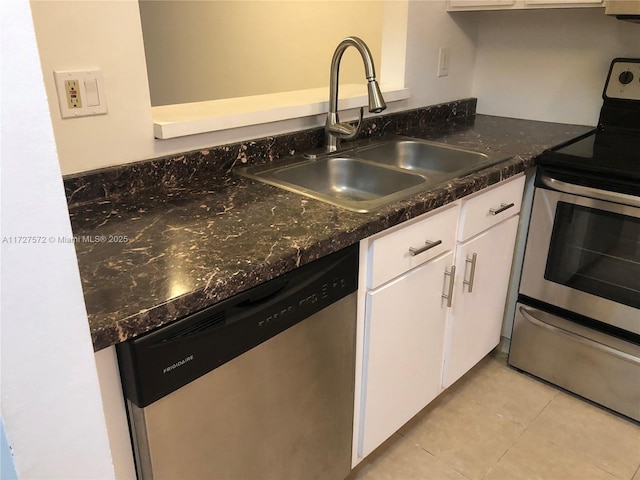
(71, 88)
(443, 62)
(81, 93)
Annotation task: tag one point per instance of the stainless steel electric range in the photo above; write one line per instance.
(577, 322)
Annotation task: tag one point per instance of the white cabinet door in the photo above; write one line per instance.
(476, 317)
(404, 348)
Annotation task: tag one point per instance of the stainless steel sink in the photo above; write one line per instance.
(433, 159)
(369, 177)
(343, 181)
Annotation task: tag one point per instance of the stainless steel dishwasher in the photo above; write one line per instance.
(259, 386)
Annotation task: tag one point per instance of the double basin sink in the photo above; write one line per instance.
(366, 178)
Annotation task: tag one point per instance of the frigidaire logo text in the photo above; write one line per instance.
(177, 364)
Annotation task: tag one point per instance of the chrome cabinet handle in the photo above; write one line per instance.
(503, 207)
(472, 261)
(428, 244)
(449, 294)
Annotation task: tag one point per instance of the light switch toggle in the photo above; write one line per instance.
(81, 93)
(91, 90)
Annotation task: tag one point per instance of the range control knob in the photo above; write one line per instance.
(625, 77)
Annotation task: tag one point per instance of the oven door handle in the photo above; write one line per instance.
(590, 192)
(576, 337)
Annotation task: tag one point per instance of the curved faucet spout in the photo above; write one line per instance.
(334, 130)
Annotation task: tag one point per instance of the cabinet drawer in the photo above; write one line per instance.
(490, 207)
(390, 254)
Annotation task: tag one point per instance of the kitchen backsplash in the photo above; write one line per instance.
(205, 167)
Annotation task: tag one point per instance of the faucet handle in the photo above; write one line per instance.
(345, 130)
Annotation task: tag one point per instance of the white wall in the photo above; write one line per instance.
(115, 413)
(115, 45)
(51, 406)
(431, 27)
(198, 51)
(76, 35)
(548, 64)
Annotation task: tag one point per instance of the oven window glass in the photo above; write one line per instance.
(597, 252)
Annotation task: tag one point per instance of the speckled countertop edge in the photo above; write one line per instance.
(187, 249)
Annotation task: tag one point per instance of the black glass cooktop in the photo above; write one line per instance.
(610, 154)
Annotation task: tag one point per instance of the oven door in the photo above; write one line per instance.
(583, 252)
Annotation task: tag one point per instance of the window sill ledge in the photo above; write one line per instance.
(171, 121)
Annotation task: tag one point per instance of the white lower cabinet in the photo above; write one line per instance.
(483, 266)
(431, 304)
(405, 332)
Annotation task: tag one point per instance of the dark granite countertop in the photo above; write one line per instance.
(155, 257)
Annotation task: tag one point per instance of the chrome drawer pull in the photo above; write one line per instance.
(472, 261)
(428, 244)
(449, 295)
(503, 207)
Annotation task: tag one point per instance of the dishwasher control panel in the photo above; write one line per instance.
(325, 294)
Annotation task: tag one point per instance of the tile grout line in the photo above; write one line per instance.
(571, 448)
(526, 427)
(613, 475)
(441, 460)
(608, 473)
(483, 407)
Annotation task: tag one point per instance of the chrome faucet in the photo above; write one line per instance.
(334, 130)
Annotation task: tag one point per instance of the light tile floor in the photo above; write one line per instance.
(496, 423)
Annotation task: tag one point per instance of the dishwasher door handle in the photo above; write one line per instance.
(264, 293)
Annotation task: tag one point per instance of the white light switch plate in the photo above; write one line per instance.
(443, 62)
(88, 94)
